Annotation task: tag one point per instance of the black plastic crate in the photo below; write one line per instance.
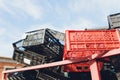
(28, 57)
(51, 75)
(44, 74)
(32, 58)
(33, 50)
(15, 76)
(116, 63)
(114, 21)
(33, 55)
(58, 35)
(44, 40)
(42, 50)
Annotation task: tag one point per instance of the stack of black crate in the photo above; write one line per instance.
(40, 47)
(45, 44)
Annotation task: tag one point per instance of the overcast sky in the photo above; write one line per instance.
(20, 16)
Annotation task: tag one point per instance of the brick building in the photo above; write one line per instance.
(7, 63)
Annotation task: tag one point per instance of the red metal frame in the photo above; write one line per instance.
(93, 66)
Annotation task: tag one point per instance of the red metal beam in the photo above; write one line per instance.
(95, 72)
(111, 53)
(65, 62)
(59, 63)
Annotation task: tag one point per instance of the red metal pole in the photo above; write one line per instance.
(95, 73)
(64, 62)
(4, 76)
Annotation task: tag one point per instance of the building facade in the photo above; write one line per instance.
(7, 64)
